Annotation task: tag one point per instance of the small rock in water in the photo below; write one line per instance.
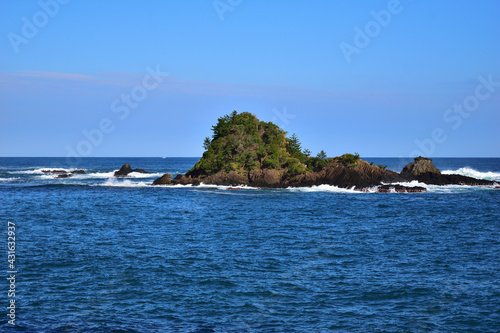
(163, 180)
(65, 175)
(54, 172)
(400, 189)
(126, 169)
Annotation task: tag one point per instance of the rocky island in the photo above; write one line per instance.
(246, 151)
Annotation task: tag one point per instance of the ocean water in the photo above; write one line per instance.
(100, 254)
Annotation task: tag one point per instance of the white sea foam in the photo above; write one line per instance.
(409, 184)
(108, 175)
(9, 179)
(225, 187)
(469, 172)
(324, 188)
(96, 175)
(175, 186)
(114, 182)
(46, 176)
(38, 171)
(88, 175)
(319, 188)
(144, 175)
(210, 186)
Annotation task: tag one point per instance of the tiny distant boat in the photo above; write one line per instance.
(163, 157)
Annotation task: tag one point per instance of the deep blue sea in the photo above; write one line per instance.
(98, 254)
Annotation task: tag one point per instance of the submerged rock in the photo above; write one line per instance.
(63, 173)
(400, 189)
(54, 172)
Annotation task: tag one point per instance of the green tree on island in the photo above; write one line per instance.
(206, 143)
(322, 154)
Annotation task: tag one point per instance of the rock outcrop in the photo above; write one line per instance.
(421, 165)
(441, 179)
(126, 169)
(423, 170)
(163, 180)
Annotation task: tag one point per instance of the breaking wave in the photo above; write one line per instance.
(443, 188)
(9, 179)
(39, 171)
(469, 172)
(326, 188)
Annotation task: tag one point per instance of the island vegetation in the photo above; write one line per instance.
(242, 143)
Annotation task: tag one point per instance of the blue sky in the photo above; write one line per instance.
(149, 78)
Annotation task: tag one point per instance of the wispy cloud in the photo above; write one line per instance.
(173, 85)
(55, 76)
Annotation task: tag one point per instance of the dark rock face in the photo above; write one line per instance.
(185, 180)
(265, 178)
(362, 176)
(220, 178)
(140, 171)
(163, 180)
(78, 172)
(440, 179)
(421, 165)
(126, 169)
